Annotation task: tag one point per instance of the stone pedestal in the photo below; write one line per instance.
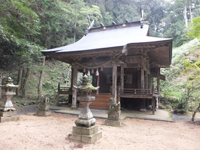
(8, 116)
(85, 129)
(85, 134)
(7, 110)
(43, 109)
(114, 114)
(7, 103)
(117, 123)
(85, 118)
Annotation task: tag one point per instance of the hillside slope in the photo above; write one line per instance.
(176, 77)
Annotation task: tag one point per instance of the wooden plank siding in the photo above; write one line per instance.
(101, 101)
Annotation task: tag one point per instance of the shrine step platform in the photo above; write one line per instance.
(160, 115)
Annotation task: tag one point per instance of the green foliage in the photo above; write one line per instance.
(62, 21)
(181, 106)
(19, 25)
(183, 77)
(194, 31)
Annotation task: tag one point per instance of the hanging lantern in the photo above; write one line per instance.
(101, 68)
(88, 72)
(84, 70)
(92, 71)
(97, 72)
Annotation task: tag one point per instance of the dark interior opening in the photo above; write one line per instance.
(135, 103)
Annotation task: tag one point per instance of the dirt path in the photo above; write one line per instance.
(50, 133)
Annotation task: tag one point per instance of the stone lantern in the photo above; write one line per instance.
(7, 110)
(85, 130)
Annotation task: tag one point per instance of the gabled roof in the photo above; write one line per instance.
(113, 36)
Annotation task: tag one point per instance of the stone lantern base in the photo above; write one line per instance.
(116, 123)
(43, 109)
(85, 134)
(8, 116)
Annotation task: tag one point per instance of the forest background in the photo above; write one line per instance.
(28, 26)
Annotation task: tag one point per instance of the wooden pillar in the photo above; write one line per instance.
(138, 79)
(142, 79)
(152, 86)
(74, 91)
(158, 85)
(153, 105)
(149, 81)
(122, 78)
(146, 80)
(71, 86)
(114, 81)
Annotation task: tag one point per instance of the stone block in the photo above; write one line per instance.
(85, 130)
(10, 118)
(77, 130)
(116, 123)
(86, 135)
(43, 113)
(77, 137)
(7, 113)
(89, 131)
(91, 138)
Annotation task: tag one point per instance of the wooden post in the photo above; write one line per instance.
(146, 80)
(142, 79)
(149, 82)
(57, 98)
(74, 91)
(122, 78)
(138, 79)
(153, 105)
(114, 81)
(158, 85)
(152, 86)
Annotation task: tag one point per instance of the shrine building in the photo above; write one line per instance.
(123, 60)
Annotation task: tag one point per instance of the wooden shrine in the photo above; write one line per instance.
(123, 60)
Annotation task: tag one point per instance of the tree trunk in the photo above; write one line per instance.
(25, 75)
(1, 77)
(193, 116)
(190, 14)
(185, 15)
(18, 81)
(41, 80)
(75, 32)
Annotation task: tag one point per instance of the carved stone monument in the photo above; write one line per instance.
(85, 130)
(7, 110)
(43, 109)
(114, 113)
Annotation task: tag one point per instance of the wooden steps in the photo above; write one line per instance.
(101, 102)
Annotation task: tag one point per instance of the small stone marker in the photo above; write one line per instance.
(114, 113)
(85, 130)
(43, 109)
(7, 110)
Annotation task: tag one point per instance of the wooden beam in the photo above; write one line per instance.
(160, 76)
